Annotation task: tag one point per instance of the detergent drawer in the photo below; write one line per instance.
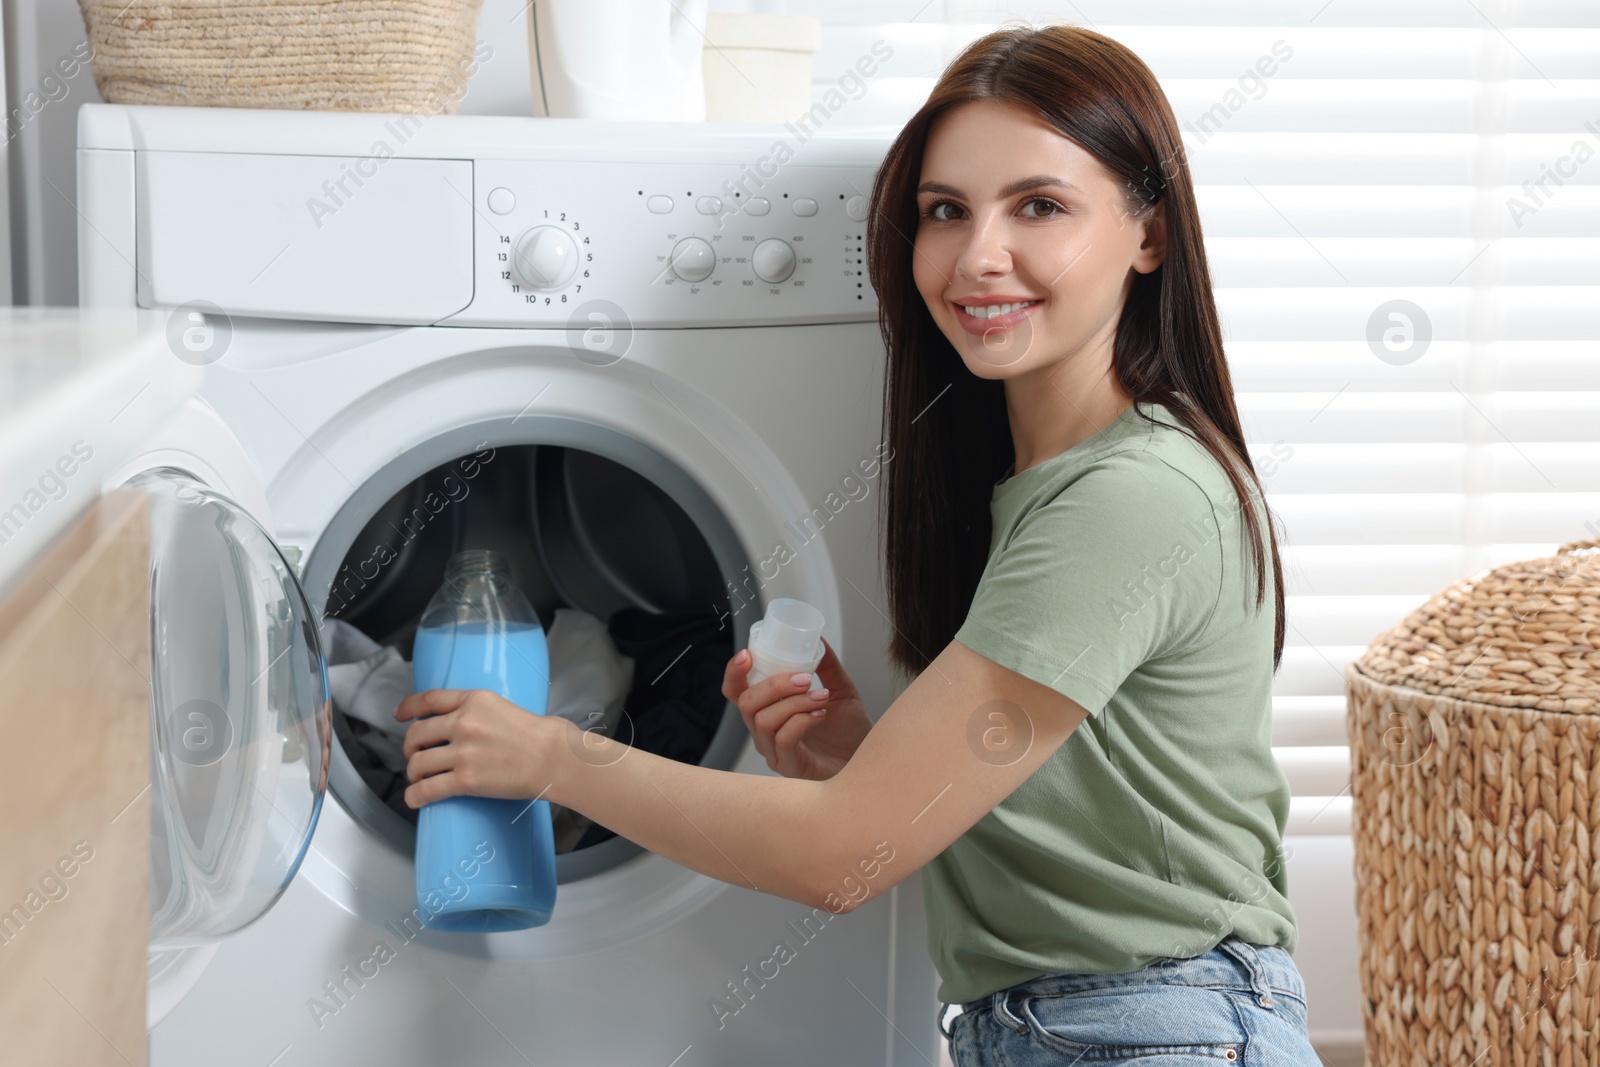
(331, 238)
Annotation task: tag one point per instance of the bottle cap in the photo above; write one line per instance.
(791, 630)
(476, 559)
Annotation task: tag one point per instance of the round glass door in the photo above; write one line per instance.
(240, 727)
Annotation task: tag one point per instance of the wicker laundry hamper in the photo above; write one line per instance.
(1475, 768)
(351, 55)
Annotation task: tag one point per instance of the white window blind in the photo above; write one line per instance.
(1394, 153)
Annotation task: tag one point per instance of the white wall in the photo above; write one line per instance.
(5, 183)
(40, 112)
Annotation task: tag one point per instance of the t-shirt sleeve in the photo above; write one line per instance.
(1121, 566)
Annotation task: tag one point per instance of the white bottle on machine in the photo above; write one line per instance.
(787, 640)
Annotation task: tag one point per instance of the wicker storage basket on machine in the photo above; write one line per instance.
(1475, 768)
(351, 55)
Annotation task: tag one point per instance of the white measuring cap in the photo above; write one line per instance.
(787, 639)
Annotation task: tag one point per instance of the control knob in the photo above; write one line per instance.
(773, 260)
(546, 257)
(693, 260)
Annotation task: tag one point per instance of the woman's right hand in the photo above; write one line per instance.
(801, 734)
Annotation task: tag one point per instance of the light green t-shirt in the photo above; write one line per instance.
(1120, 575)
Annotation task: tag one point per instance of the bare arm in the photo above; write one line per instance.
(960, 738)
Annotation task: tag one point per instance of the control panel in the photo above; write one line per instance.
(671, 244)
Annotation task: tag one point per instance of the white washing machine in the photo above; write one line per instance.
(641, 361)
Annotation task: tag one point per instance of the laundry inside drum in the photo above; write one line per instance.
(630, 592)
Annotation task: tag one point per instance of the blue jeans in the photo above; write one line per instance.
(1237, 1003)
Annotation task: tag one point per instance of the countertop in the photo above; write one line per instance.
(79, 392)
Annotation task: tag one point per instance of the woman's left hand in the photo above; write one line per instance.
(472, 742)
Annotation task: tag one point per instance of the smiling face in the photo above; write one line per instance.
(1024, 246)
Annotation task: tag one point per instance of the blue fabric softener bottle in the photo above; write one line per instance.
(484, 864)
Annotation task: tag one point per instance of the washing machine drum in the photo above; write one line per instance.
(581, 531)
(610, 538)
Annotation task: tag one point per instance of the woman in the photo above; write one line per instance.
(1078, 563)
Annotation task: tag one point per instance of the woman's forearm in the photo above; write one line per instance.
(765, 833)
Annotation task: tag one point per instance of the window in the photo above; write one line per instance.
(1401, 203)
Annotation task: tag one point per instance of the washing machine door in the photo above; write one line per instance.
(239, 709)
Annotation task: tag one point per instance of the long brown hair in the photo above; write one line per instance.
(947, 427)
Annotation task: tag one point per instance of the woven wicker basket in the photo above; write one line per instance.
(352, 55)
(1475, 768)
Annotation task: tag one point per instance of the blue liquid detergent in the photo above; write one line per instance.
(485, 864)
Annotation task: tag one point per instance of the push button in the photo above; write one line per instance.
(659, 205)
(856, 208)
(759, 205)
(805, 207)
(708, 205)
(502, 201)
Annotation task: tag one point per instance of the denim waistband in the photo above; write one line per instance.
(1233, 963)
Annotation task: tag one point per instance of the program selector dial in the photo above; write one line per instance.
(546, 257)
(773, 260)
